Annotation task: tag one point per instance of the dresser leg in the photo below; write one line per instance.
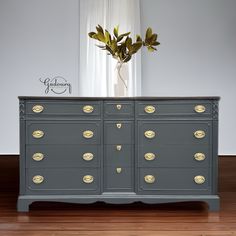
(23, 205)
(214, 204)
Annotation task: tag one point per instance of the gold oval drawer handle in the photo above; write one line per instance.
(199, 134)
(88, 109)
(149, 109)
(38, 156)
(199, 179)
(38, 179)
(200, 109)
(118, 106)
(199, 156)
(119, 125)
(88, 156)
(37, 108)
(149, 134)
(88, 134)
(118, 170)
(149, 156)
(38, 134)
(118, 147)
(149, 179)
(88, 179)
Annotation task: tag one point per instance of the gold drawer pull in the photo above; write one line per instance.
(118, 106)
(88, 179)
(199, 156)
(149, 156)
(37, 108)
(38, 134)
(149, 134)
(200, 109)
(38, 156)
(199, 179)
(38, 179)
(88, 109)
(149, 109)
(88, 134)
(118, 147)
(199, 134)
(88, 156)
(119, 125)
(118, 170)
(149, 179)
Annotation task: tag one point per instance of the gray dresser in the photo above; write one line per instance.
(118, 150)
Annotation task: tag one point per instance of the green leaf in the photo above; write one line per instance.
(148, 33)
(128, 43)
(91, 34)
(101, 37)
(107, 37)
(116, 31)
(127, 58)
(153, 38)
(138, 38)
(155, 43)
(100, 29)
(122, 36)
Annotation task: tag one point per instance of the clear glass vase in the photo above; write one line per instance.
(121, 80)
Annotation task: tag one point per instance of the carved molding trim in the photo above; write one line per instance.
(215, 110)
(22, 109)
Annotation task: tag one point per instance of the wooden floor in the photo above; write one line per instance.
(182, 219)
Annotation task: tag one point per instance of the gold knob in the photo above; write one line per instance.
(199, 179)
(88, 179)
(149, 179)
(118, 170)
(88, 156)
(38, 179)
(88, 134)
(199, 156)
(118, 106)
(118, 147)
(149, 156)
(149, 109)
(38, 134)
(149, 134)
(119, 125)
(37, 108)
(199, 134)
(38, 156)
(88, 109)
(200, 108)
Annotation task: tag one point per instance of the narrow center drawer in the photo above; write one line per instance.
(116, 109)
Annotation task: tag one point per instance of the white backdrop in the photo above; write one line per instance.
(197, 55)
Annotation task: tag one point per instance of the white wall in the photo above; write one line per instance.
(38, 39)
(197, 55)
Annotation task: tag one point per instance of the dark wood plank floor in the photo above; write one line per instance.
(182, 219)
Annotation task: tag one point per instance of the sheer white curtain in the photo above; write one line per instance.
(96, 68)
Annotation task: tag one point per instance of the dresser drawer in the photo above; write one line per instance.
(118, 179)
(119, 109)
(174, 132)
(56, 132)
(63, 180)
(174, 179)
(148, 109)
(174, 156)
(81, 108)
(117, 155)
(55, 156)
(118, 132)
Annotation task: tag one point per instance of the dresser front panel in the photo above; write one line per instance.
(174, 180)
(169, 108)
(56, 132)
(55, 156)
(115, 135)
(174, 132)
(165, 155)
(118, 179)
(86, 109)
(63, 181)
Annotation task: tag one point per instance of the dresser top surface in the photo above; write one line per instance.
(117, 98)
